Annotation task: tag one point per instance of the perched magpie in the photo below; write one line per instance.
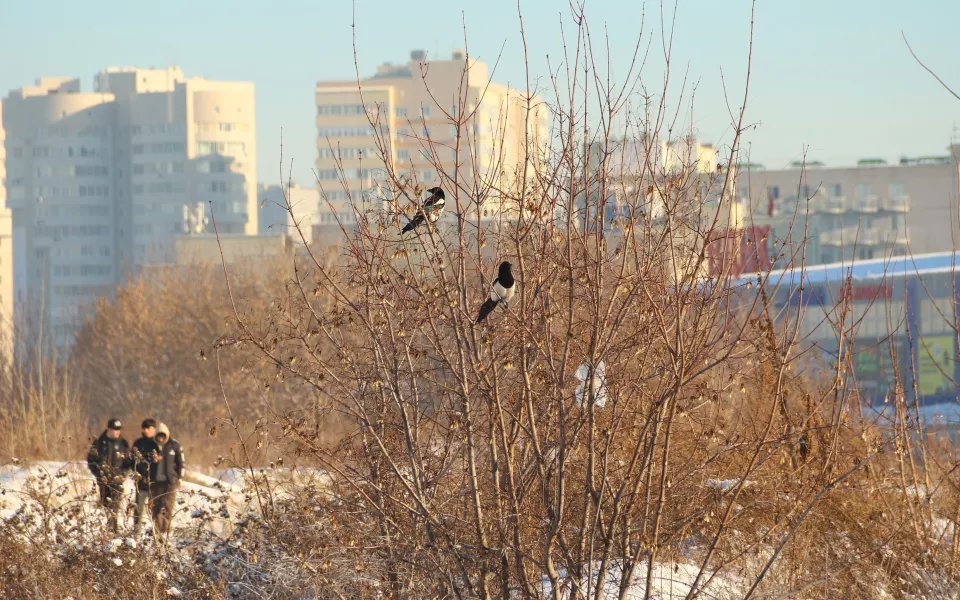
(502, 291)
(432, 209)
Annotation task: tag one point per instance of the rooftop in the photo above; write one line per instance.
(860, 270)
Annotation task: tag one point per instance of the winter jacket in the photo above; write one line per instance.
(108, 458)
(171, 466)
(141, 462)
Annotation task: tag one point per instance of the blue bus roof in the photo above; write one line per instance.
(878, 268)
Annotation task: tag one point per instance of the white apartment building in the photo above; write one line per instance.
(6, 260)
(872, 210)
(101, 183)
(309, 210)
(320, 218)
(634, 169)
(412, 105)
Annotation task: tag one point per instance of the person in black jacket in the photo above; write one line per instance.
(141, 461)
(166, 471)
(108, 460)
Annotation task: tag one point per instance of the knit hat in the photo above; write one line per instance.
(163, 429)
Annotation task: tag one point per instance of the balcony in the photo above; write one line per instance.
(900, 204)
(866, 204)
(835, 237)
(834, 205)
(853, 236)
(869, 237)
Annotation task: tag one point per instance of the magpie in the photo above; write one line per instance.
(432, 209)
(502, 291)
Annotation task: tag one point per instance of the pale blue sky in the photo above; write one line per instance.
(830, 75)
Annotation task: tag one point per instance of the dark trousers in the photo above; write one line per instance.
(110, 494)
(163, 502)
(142, 499)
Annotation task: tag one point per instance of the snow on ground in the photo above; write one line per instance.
(931, 415)
(201, 498)
(671, 581)
(725, 485)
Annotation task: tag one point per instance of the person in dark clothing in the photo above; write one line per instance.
(166, 471)
(108, 460)
(141, 461)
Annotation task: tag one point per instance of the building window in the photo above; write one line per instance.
(835, 190)
(863, 190)
(775, 192)
(896, 190)
(401, 111)
(425, 110)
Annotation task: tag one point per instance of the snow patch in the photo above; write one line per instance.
(598, 384)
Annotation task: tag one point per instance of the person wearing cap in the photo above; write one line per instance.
(144, 450)
(108, 460)
(165, 475)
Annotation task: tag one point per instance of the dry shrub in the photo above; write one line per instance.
(153, 352)
(470, 468)
(42, 412)
(722, 462)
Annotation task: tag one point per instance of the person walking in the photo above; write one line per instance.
(108, 460)
(166, 471)
(141, 461)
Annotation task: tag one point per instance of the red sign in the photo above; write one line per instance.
(737, 251)
(871, 292)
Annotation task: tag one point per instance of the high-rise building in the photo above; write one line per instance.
(101, 183)
(307, 207)
(6, 260)
(414, 110)
(322, 221)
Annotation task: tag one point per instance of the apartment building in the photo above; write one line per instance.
(634, 168)
(646, 178)
(101, 183)
(871, 210)
(6, 260)
(253, 251)
(413, 110)
(312, 212)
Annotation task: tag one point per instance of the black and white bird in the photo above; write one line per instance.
(432, 210)
(501, 292)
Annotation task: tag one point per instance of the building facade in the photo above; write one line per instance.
(872, 210)
(413, 109)
(893, 320)
(319, 218)
(6, 259)
(100, 184)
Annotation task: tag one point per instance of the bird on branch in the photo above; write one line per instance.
(502, 291)
(431, 210)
